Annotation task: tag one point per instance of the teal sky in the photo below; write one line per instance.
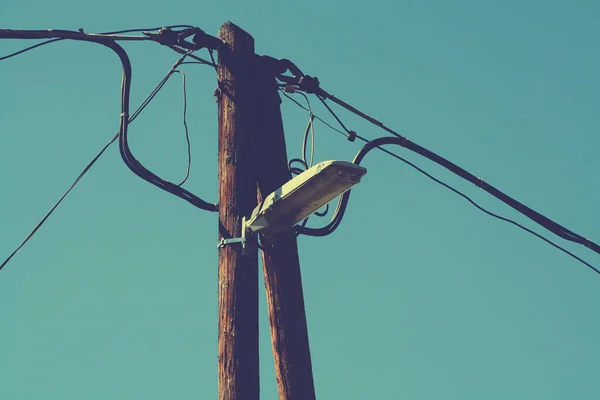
(417, 295)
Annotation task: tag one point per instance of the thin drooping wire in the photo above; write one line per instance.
(132, 163)
(93, 161)
(390, 140)
(333, 114)
(312, 118)
(311, 124)
(315, 116)
(103, 33)
(310, 129)
(192, 56)
(306, 164)
(342, 204)
(187, 133)
(212, 58)
(25, 50)
(535, 216)
(41, 222)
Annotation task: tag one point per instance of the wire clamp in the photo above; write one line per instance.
(309, 84)
(170, 37)
(203, 40)
(351, 136)
(165, 36)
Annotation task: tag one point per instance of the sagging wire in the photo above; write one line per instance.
(283, 92)
(125, 120)
(199, 60)
(136, 113)
(185, 125)
(130, 159)
(35, 46)
(174, 47)
(41, 222)
(535, 216)
(387, 140)
(309, 84)
(401, 141)
(310, 128)
(304, 162)
(187, 132)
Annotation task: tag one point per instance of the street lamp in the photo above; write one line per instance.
(303, 195)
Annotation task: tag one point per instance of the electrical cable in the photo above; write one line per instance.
(91, 163)
(212, 58)
(125, 153)
(343, 201)
(187, 133)
(377, 143)
(333, 114)
(41, 222)
(198, 59)
(315, 116)
(35, 46)
(309, 129)
(297, 170)
(535, 216)
(134, 165)
(103, 33)
(303, 162)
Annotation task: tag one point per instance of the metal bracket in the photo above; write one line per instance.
(247, 248)
(225, 242)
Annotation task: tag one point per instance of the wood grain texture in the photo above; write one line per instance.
(238, 369)
(281, 264)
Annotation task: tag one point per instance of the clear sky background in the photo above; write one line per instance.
(418, 295)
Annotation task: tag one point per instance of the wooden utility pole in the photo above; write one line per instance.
(238, 274)
(281, 265)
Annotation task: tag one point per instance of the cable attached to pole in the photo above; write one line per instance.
(309, 84)
(134, 165)
(387, 140)
(125, 121)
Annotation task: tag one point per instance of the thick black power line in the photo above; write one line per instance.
(103, 33)
(308, 84)
(315, 116)
(378, 143)
(110, 41)
(535, 216)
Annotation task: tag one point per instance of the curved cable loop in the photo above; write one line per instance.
(134, 165)
(310, 129)
(187, 132)
(377, 143)
(535, 216)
